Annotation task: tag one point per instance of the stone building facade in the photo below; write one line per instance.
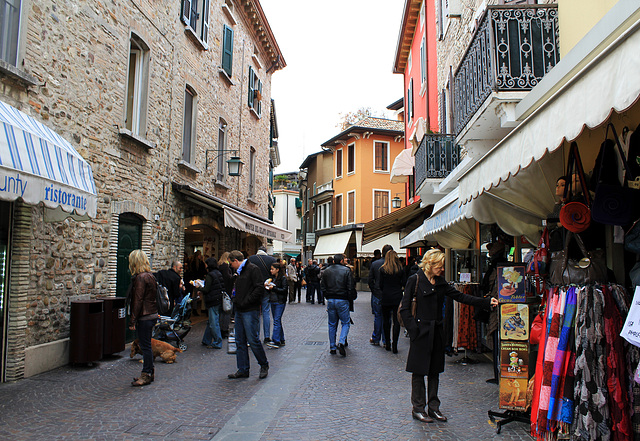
(156, 97)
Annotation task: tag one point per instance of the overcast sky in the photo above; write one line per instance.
(339, 56)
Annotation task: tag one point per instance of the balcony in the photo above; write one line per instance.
(436, 157)
(512, 49)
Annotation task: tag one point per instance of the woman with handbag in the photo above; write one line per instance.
(227, 276)
(212, 294)
(426, 332)
(392, 281)
(277, 288)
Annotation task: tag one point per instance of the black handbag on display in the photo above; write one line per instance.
(613, 203)
(590, 269)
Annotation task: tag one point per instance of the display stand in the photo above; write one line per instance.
(466, 360)
(509, 416)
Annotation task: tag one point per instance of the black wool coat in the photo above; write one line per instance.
(426, 331)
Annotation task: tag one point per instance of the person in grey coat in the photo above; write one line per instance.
(426, 331)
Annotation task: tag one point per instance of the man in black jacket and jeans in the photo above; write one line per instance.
(248, 292)
(339, 288)
(263, 261)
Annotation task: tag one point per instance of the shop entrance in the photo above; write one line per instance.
(5, 228)
(129, 239)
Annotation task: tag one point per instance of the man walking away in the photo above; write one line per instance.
(263, 261)
(313, 282)
(292, 278)
(376, 297)
(338, 286)
(170, 279)
(248, 293)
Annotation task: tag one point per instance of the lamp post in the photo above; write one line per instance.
(234, 163)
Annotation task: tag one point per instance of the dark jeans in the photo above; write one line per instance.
(144, 329)
(312, 289)
(248, 331)
(389, 314)
(418, 395)
(292, 290)
(298, 289)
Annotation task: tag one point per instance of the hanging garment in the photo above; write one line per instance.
(535, 404)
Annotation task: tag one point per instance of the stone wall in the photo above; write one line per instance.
(78, 51)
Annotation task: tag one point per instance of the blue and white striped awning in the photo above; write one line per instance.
(38, 165)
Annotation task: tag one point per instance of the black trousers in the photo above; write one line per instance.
(389, 315)
(419, 396)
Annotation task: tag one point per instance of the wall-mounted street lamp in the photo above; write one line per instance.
(234, 163)
(396, 202)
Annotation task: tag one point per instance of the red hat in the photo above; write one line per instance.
(575, 217)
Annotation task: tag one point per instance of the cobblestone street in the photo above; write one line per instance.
(309, 394)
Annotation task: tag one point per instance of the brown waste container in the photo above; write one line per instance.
(87, 329)
(114, 325)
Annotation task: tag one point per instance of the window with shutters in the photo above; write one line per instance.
(195, 15)
(380, 203)
(381, 156)
(338, 219)
(137, 87)
(227, 50)
(351, 207)
(351, 159)
(255, 92)
(189, 125)
(338, 163)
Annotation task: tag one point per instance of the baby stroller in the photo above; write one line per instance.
(176, 327)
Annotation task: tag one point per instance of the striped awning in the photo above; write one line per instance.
(38, 165)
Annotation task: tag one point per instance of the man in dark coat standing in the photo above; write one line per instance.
(263, 261)
(248, 293)
(376, 297)
(170, 279)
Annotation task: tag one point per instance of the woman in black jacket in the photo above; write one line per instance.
(392, 281)
(426, 348)
(278, 291)
(227, 276)
(212, 294)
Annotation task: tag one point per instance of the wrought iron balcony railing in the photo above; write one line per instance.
(513, 48)
(436, 157)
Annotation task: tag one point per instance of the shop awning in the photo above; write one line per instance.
(451, 224)
(394, 221)
(402, 167)
(393, 239)
(235, 217)
(610, 82)
(331, 244)
(38, 165)
(240, 221)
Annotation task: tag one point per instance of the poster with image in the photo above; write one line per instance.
(514, 321)
(513, 393)
(511, 284)
(514, 359)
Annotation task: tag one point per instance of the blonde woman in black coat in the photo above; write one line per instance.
(426, 348)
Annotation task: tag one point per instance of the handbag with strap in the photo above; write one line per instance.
(565, 271)
(613, 203)
(575, 215)
(538, 267)
(414, 302)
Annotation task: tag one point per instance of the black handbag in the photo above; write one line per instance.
(590, 269)
(613, 203)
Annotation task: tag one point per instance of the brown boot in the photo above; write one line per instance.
(143, 380)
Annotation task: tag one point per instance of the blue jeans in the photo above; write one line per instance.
(376, 308)
(277, 309)
(338, 309)
(144, 329)
(248, 331)
(212, 335)
(266, 320)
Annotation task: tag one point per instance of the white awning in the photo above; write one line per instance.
(451, 224)
(38, 165)
(402, 167)
(609, 82)
(331, 244)
(248, 224)
(392, 239)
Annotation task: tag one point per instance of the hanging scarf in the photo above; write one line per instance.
(537, 385)
(616, 370)
(563, 354)
(591, 413)
(554, 322)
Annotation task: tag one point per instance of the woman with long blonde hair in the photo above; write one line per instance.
(392, 281)
(426, 348)
(143, 310)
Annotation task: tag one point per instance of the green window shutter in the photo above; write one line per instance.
(259, 102)
(227, 50)
(251, 83)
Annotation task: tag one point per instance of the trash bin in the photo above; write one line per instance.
(86, 333)
(114, 325)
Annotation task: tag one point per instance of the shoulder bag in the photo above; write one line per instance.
(565, 271)
(575, 216)
(414, 301)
